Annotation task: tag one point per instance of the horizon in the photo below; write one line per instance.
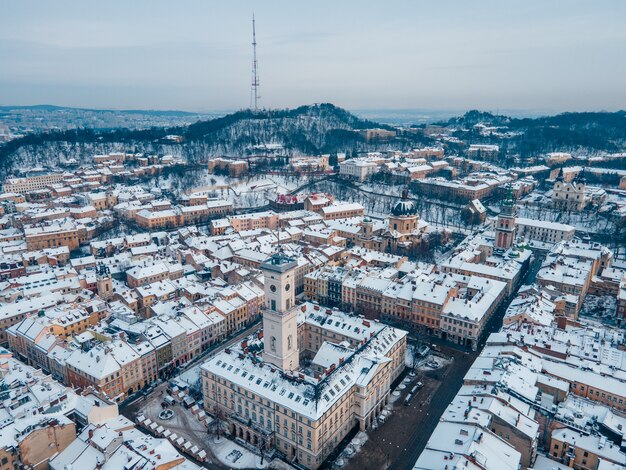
(556, 57)
(512, 112)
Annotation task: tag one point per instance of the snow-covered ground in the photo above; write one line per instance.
(233, 455)
(250, 191)
(191, 375)
(353, 448)
(434, 362)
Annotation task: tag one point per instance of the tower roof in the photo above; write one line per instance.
(581, 177)
(404, 207)
(559, 177)
(279, 262)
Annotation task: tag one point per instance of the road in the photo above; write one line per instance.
(398, 442)
(430, 415)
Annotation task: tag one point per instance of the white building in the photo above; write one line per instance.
(358, 168)
(31, 183)
(543, 231)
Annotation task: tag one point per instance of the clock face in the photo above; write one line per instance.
(273, 288)
(287, 287)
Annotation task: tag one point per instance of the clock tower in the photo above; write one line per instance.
(280, 316)
(505, 223)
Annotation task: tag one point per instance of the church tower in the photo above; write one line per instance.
(280, 316)
(404, 219)
(505, 225)
(104, 282)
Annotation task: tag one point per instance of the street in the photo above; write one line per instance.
(398, 442)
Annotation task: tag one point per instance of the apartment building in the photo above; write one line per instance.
(31, 183)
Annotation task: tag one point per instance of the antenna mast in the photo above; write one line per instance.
(254, 94)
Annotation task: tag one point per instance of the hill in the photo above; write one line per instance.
(576, 132)
(311, 129)
(323, 128)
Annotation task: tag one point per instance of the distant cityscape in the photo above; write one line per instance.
(312, 237)
(283, 309)
(17, 121)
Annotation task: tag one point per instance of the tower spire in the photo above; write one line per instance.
(254, 92)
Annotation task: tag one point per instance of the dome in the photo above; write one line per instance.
(404, 207)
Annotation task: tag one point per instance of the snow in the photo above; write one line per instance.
(353, 448)
(254, 191)
(233, 455)
(599, 307)
(433, 362)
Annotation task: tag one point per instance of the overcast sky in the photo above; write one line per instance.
(196, 54)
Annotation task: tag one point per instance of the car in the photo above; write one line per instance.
(416, 387)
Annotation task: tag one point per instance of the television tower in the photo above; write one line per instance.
(254, 92)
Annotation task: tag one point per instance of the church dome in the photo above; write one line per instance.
(404, 207)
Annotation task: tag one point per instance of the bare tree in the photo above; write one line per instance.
(219, 418)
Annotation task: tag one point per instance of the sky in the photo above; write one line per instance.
(196, 55)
